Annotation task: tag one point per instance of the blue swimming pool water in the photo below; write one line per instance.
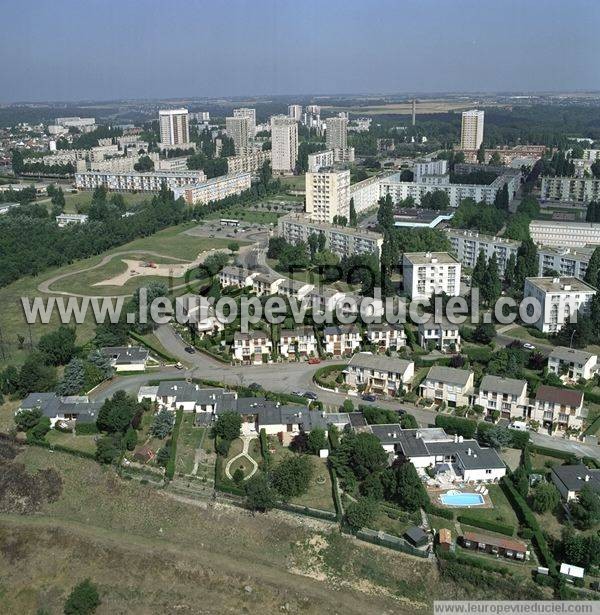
(457, 498)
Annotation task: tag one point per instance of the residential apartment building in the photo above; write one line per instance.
(448, 385)
(65, 219)
(238, 130)
(250, 115)
(467, 245)
(248, 163)
(295, 112)
(215, 189)
(341, 240)
(171, 164)
(572, 365)
(564, 234)
(174, 127)
(429, 167)
(441, 335)
(567, 262)
(371, 373)
(560, 299)
(284, 144)
(471, 131)
(328, 194)
(365, 194)
(294, 289)
(558, 409)
(320, 160)
(151, 181)
(336, 136)
(507, 396)
(236, 277)
(430, 273)
(341, 340)
(252, 348)
(297, 343)
(266, 284)
(385, 336)
(570, 189)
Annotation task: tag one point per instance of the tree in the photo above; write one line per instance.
(361, 513)
(116, 413)
(27, 419)
(545, 498)
(228, 426)
(497, 437)
(316, 440)
(484, 333)
(372, 488)
(313, 244)
(130, 440)
(437, 200)
(233, 246)
(259, 494)
(291, 477)
(479, 270)
(35, 375)
(353, 220)
(58, 347)
(144, 164)
(592, 273)
(385, 213)
(73, 378)
(491, 286)
(154, 290)
(84, 599)
(163, 455)
(586, 511)
(495, 159)
(38, 432)
(481, 154)
(361, 453)
(521, 481)
(402, 485)
(163, 422)
(108, 448)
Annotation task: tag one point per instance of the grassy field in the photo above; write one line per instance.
(403, 108)
(248, 215)
(293, 182)
(198, 559)
(84, 443)
(169, 242)
(76, 202)
(190, 438)
(501, 513)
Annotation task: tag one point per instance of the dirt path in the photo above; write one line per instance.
(244, 454)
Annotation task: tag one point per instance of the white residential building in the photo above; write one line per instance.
(567, 262)
(126, 358)
(214, 189)
(378, 374)
(284, 144)
(448, 385)
(442, 335)
(328, 195)
(386, 336)
(65, 219)
(471, 132)
(266, 284)
(236, 277)
(558, 409)
(341, 340)
(571, 365)
(570, 189)
(172, 164)
(151, 181)
(337, 133)
(320, 160)
(507, 396)
(560, 299)
(174, 127)
(251, 347)
(467, 245)
(294, 289)
(429, 167)
(564, 234)
(238, 130)
(299, 342)
(430, 273)
(248, 163)
(295, 112)
(365, 194)
(341, 240)
(250, 115)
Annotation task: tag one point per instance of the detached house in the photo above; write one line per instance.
(126, 358)
(449, 385)
(294, 289)
(558, 409)
(377, 374)
(298, 342)
(386, 337)
(266, 284)
(342, 340)
(236, 277)
(506, 395)
(76, 408)
(251, 347)
(571, 365)
(571, 479)
(444, 335)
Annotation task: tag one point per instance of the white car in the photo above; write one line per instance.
(528, 346)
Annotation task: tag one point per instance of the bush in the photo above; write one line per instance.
(84, 599)
(445, 513)
(485, 524)
(361, 513)
(454, 425)
(85, 429)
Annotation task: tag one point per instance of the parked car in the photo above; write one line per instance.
(298, 393)
(178, 365)
(369, 397)
(310, 395)
(528, 346)
(190, 349)
(314, 361)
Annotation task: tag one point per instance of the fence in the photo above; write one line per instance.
(389, 541)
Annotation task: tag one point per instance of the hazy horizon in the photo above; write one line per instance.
(68, 51)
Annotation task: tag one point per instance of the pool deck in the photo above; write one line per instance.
(435, 493)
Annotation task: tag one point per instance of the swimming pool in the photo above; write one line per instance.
(458, 498)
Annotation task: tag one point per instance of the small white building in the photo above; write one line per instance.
(571, 364)
(127, 358)
(379, 374)
(386, 336)
(236, 277)
(558, 409)
(266, 284)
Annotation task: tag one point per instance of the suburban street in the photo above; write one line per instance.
(287, 377)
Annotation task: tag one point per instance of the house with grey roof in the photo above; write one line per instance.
(368, 372)
(127, 358)
(558, 409)
(253, 347)
(266, 284)
(439, 333)
(507, 396)
(341, 340)
(448, 385)
(385, 336)
(571, 365)
(571, 479)
(458, 459)
(62, 409)
(236, 277)
(294, 289)
(298, 342)
(190, 397)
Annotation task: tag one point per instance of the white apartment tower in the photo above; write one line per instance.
(174, 127)
(471, 133)
(284, 144)
(250, 114)
(238, 129)
(337, 133)
(295, 112)
(327, 195)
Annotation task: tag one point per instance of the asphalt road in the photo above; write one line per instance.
(285, 378)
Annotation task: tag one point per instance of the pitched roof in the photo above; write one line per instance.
(510, 386)
(449, 375)
(379, 362)
(557, 395)
(573, 477)
(563, 353)
(496, 541)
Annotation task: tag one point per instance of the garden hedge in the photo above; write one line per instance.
(486, 524)
(170, 470)
(455, 425)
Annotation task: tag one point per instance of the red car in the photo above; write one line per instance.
(314, 361)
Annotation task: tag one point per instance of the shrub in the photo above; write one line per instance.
(485, 524)
(361, 513)
(85, 429)
(84, 599)
(454, 425)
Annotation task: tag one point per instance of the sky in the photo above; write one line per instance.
(68, 50)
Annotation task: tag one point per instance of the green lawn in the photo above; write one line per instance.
(76, 202)
(293, 182)
(85, 443)
(502, 512)
(248, 215)
(319, 494)
(190, 438)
